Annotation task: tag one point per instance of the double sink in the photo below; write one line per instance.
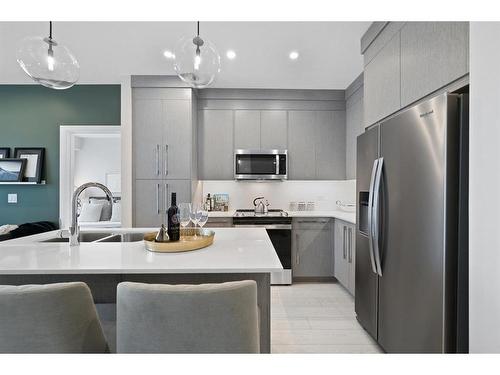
(102, 237)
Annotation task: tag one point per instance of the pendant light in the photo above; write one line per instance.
(196, 61)
(47, 62)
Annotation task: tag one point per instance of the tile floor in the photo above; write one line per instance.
(316, 318)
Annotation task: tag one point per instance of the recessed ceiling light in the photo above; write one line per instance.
(231, 54)
(294, 55)
(169, 54)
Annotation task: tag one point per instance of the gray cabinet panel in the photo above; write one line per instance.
(330, 145)
(181, 187)
(219, 222)
(433, 54)
(354, 127)
(247, 129)
(147, 138)
(351, 246)
(273, 130)
(341, 269)
(216, 150)
(148, 203)
(301, 145)
(312, 254)
(177, 139)
(382, 83)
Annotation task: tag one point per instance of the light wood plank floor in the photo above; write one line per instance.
(316, 318)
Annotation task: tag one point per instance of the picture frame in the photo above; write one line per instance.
(4, 152)
(34, 162)
(12, 170)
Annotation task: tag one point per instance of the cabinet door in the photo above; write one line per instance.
(177, 145)
(313, 254)
(341, 270)
(247, 129)
(330, 145)
(354, 127)
(181, 187)
(273, 130)
(351, 246)
(219, 222)
(382, 83)
(216, 151)
(433, 54)
(147, 137)
(148, 203)
(301, 145)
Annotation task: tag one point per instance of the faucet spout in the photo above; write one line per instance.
(74, 229)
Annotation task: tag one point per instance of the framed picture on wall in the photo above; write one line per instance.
(4, 152)
(12, 170)
(34, 162)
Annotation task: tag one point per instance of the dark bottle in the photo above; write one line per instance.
(174, 231)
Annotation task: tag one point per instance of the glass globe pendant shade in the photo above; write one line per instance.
(196, 62)
(48, 63)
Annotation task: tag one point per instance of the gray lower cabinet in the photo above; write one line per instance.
(152, 198)
(312, 247)
(215, 144)
(247, 129)
(433, 54)
(382, 83)
(344, 254)
(273, 130)
(219, 222)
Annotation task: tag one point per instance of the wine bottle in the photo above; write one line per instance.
(173, 230)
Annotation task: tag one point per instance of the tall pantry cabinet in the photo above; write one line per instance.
(163, 150)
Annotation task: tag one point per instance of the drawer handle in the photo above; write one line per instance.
(344, 250)
(297, 247)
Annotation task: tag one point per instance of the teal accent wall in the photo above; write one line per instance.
(30, 116)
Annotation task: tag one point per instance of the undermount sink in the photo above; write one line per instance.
(102, 237)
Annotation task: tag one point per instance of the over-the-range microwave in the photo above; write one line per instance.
(260, 164)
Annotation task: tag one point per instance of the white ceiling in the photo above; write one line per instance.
(329, 51)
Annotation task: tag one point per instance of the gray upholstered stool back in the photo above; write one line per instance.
(52, 318)
(206, 318)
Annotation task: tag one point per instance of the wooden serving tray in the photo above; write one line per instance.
(188, 242)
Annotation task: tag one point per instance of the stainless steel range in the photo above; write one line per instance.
(279, 228)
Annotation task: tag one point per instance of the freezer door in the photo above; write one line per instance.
(412, 237)
(365, 277)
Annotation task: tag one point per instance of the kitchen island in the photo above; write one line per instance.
(236, 254)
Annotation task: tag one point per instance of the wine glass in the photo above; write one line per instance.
(184, 215)
(195, 215)
(203, 217)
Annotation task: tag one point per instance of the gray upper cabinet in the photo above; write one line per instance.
(301, 145)
(433, 54)
(147, 138)
(215, 143)
(273, 130)
(354, 127)
(382, 83)
(312, 250)
(247, 129)
(177, 139)
(330, 145)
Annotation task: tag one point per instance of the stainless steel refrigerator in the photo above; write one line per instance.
(411, 248)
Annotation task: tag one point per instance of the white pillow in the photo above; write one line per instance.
(116, 215)
(90, 212)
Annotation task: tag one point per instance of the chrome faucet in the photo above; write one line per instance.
(74, 229)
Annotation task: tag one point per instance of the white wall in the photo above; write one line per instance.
(484, 205)
(96, 157)
(279, 194)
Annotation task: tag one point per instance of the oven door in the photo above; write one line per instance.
(259, 165)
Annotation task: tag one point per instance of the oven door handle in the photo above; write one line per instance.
(265, 226)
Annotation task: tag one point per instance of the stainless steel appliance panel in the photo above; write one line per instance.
(412, 230)
(366, 280)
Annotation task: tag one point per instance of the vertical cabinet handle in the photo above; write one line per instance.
(158, 199)
(166, 160)
(165, 202)
(350, 244)
(157, 159)
(297, 247)
(344, 249)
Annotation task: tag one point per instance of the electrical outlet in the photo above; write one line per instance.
(11, 198)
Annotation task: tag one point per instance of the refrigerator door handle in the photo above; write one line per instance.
(370, 215)
(376, 216)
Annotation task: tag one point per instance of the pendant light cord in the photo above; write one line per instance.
(50, 30)
(198, 28)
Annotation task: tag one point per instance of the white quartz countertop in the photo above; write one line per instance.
(235, 250)
(350, 217)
